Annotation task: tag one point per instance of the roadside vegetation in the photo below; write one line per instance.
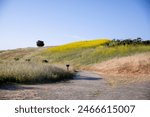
(30, 73)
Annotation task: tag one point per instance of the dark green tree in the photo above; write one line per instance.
(40, 43)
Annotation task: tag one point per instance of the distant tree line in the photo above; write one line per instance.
(137, 41)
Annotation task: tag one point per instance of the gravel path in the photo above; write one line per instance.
(85, 86)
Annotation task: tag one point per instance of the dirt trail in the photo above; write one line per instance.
(86, 85)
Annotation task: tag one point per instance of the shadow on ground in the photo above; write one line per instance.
(86, 78)
(14, 87)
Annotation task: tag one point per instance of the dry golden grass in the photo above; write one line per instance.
(28, 72)
(18, 53)
(125, 69)
(136, 64)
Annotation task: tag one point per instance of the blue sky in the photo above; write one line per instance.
(23, 22)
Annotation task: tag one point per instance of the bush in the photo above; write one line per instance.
(44, 61)
(16, 59)
(28, 60)
(117, 42)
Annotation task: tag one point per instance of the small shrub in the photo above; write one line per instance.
(44, 61)
(146, 42)
(16, 59)
(28, 60)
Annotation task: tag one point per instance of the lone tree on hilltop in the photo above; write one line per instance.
(40, 43)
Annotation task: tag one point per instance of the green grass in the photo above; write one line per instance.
(31, 73)
(93, 54)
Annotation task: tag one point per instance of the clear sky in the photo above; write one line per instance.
(23, 22)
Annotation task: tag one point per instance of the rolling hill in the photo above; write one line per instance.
(80, 55)
(89, 52)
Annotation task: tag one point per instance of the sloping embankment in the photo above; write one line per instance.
(138, 64)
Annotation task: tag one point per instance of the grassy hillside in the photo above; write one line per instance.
(18, 66)
(135, 64)
(124, 70)
(89, 52)
(76, 53)
(27, 66)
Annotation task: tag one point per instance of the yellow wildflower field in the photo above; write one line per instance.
(77, 45)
